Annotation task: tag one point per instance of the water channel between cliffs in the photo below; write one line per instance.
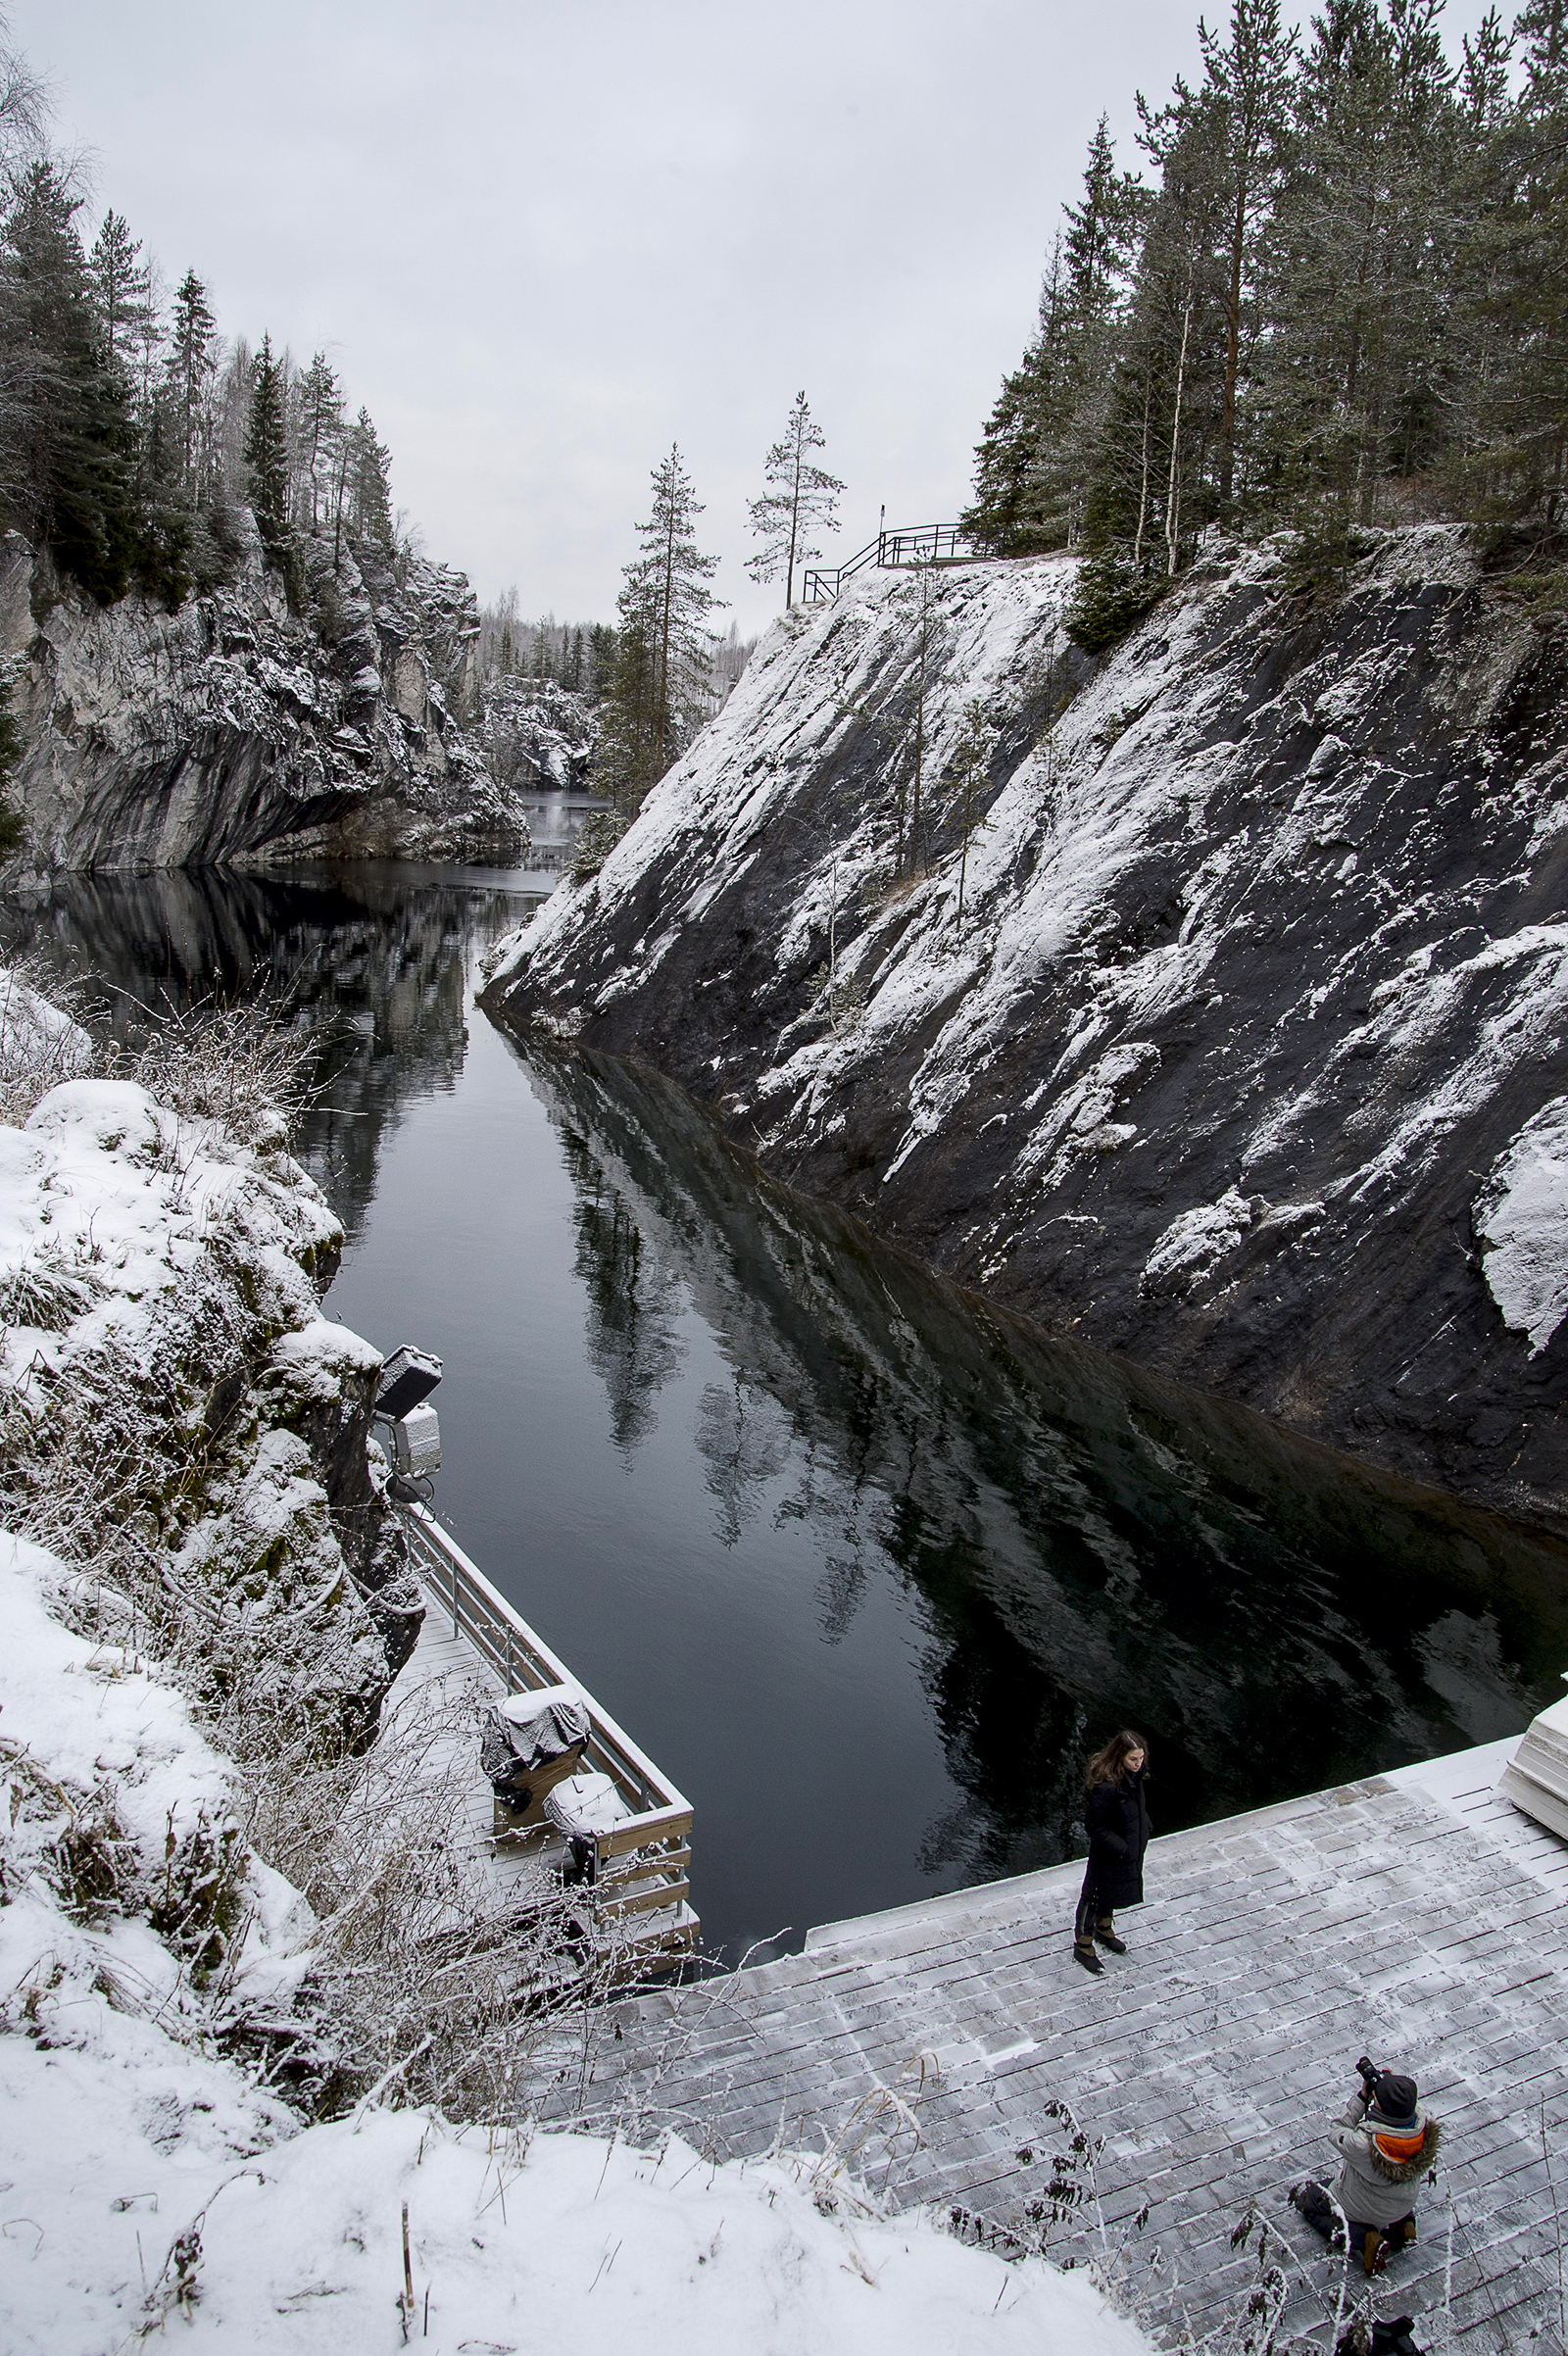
(863, 1563)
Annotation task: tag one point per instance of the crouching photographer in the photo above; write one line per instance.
(1388, 2145)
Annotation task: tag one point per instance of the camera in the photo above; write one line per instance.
(1369, 2073)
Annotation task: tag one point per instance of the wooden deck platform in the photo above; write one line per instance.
(473, 1648)
(1415, 1917)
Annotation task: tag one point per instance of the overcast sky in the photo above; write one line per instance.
(540, 242)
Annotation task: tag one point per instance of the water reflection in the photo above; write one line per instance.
(372, 958)
(865, 1564)
(1085, 1543)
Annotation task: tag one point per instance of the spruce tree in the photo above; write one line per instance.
(189, 370)
(1034, 462)
(801, 501)
(66, 446)
(266, 469)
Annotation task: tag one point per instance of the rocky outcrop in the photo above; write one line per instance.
(180, 1422)
(1246, 1055)
(537, 735)
(232, 732)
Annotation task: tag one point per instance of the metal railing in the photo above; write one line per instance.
(648, 1850)
(914, 544)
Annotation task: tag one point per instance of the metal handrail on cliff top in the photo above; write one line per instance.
(913, 544)
(524, 1663)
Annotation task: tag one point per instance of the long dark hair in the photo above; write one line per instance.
(1110, 1765)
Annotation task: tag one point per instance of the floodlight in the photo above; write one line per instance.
(407, 1377)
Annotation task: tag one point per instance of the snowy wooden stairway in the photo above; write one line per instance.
(1416, 1917)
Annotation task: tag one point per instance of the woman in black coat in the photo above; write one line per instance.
(1117, 1817)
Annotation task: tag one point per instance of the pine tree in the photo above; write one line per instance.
(319, 430)
(1358, 370)
(655, 687)
(1517, 259)
(664, 603)
(1247, 91)
(800, 502)
(369, 483)
(123, 285)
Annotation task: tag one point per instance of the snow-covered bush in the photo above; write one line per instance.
(41, 1040)
(242, 1066)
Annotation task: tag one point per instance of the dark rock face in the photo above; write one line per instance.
(230, 732)
(1248, 1056)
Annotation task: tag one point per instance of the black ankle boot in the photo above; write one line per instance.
(1106, 1933)
(1085, 1954)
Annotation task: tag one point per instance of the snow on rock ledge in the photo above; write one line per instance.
(1266, 910)
(1522, 1219)
(160, 1298)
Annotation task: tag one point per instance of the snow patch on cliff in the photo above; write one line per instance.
(1521, 1216)
(1193, 1246)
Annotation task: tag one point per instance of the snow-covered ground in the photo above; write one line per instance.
(150, 2181)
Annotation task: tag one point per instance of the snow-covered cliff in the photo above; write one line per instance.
(1247, 1058)
(231, 732)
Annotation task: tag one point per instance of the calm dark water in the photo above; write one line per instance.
(865, 1564)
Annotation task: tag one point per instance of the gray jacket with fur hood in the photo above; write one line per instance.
(1373, 2189)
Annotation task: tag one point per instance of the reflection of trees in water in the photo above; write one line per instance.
(634, 1303)
(1082, 1542)
(741, 1437)
(371, 958)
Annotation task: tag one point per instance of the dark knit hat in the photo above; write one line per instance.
(1394, 2104)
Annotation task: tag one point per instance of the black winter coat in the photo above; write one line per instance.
(1117, 1817)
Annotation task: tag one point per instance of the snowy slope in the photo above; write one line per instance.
(148, 2184)
(1261, 982)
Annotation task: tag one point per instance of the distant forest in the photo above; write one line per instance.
(581, 655)
(134, 436)
(1340, 301)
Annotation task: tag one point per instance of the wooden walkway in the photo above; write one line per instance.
(1415, 1917)
(451, 1678)
(472, 1650)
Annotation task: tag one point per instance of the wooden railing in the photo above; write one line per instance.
(647, 1852)
(914, 544)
